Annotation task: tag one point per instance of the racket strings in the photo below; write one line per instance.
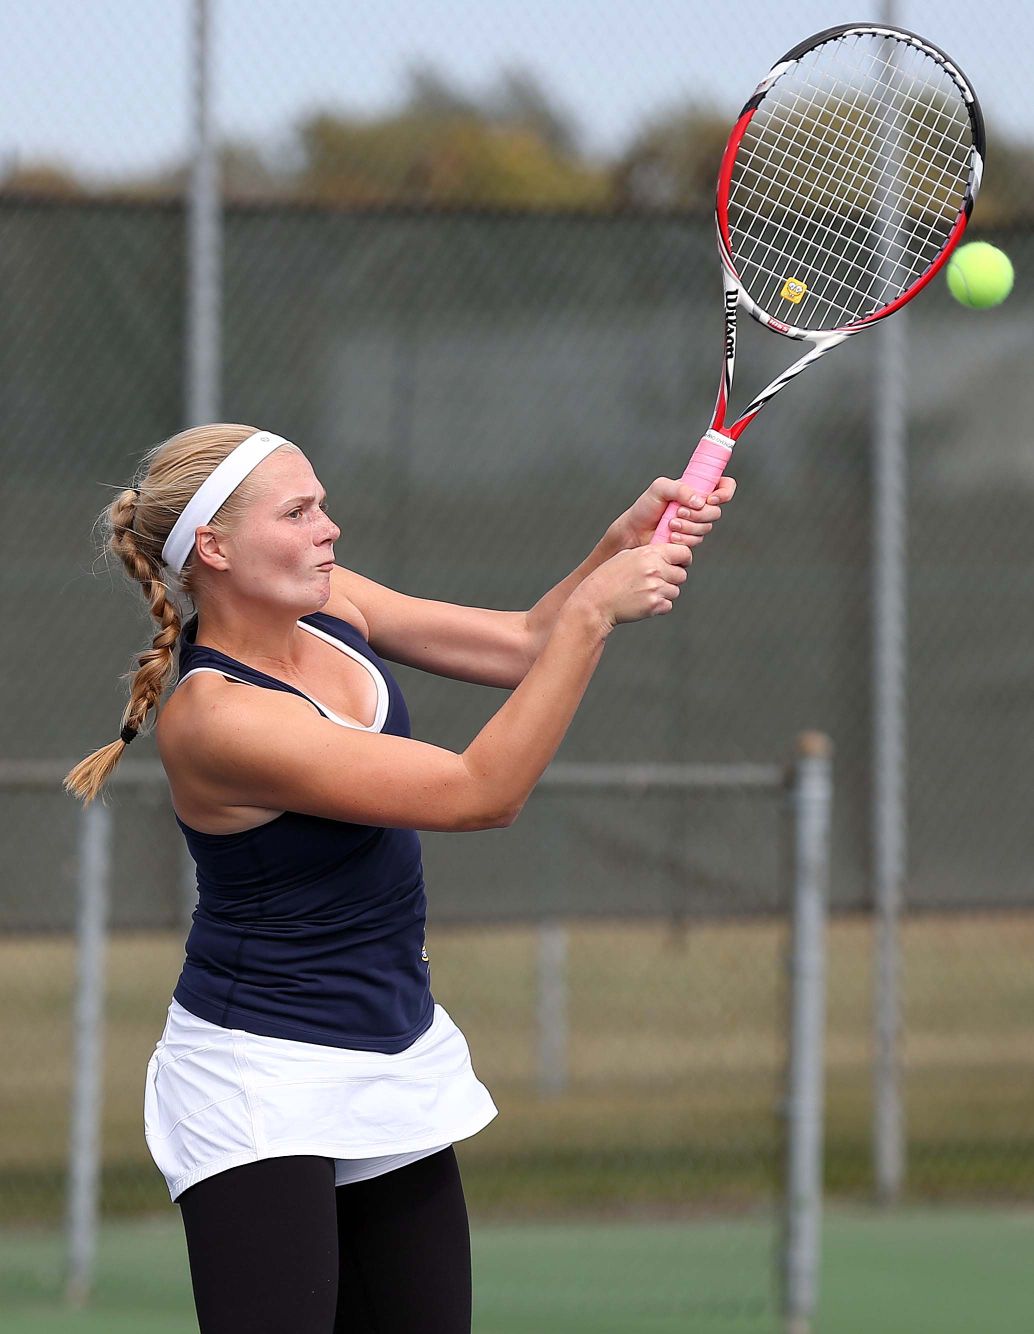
(861, 175)
(789, 240)
(796, 251)
(797, 230)
(848, 180)
(855, 176)
(812, 157)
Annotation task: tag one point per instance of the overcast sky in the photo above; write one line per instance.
(103, 85)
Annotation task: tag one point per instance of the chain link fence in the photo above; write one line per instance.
(468, 264)
(633, 1086)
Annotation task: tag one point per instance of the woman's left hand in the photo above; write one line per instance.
(691, 523)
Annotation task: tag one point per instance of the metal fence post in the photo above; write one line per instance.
(890, 620)
(812, 803)
(204, 247)
(552, 1008)
(204, 237)
(83, 1212)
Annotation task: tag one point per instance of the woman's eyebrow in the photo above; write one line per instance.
(295, 499)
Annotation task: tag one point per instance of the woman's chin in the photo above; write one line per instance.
(314, 593)
(316, 600)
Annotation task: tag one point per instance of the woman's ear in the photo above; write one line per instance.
(211, 549)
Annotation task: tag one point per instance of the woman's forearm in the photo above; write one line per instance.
(511, 752)
(542, 617)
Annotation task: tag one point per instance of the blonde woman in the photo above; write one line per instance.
(304, 1097)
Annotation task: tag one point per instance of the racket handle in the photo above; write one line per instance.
(710, 459)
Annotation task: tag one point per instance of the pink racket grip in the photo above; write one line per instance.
(710, 459)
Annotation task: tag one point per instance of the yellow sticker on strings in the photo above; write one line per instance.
(793, 290)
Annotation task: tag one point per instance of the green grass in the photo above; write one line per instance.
(952, 1272)
(677, 1046)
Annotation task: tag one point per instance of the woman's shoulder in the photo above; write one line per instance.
(195, 692)
(184, 741)
(199, 734)
(341, 605)
(180, 714)
(180, 729)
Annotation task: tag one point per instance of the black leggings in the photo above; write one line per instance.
(276, 1248)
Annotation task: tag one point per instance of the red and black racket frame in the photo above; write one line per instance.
(714, 450)
(735, 295)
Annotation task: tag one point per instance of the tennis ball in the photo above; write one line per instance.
(980, 275)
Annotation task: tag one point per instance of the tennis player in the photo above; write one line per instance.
(304, 1097)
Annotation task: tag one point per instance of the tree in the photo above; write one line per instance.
(40, 178)
(512, 148)
(521, 101)
(1007, 193)
(673, 163)
(430, 96)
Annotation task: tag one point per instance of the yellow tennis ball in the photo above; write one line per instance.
(980, 275)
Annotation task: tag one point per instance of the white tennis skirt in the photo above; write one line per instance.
(217, 1097)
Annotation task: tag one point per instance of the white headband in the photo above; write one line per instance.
(212, 493)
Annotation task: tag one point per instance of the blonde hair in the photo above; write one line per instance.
(135, 527)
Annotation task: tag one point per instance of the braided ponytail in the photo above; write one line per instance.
(136, 524)
(155, 664)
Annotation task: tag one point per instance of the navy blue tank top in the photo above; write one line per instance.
(307, 928)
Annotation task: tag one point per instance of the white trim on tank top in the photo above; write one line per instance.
(378, 680)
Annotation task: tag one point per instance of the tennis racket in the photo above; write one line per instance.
(847, 181)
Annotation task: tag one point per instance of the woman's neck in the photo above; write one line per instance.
(252, 635)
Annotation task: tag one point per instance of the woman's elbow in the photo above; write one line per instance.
(494, 817)
(499, 819)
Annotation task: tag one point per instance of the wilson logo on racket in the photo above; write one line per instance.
(731, 301)
(793, 290)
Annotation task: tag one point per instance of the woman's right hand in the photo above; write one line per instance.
(636, 583)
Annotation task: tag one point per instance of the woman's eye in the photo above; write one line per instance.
(323, 507)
